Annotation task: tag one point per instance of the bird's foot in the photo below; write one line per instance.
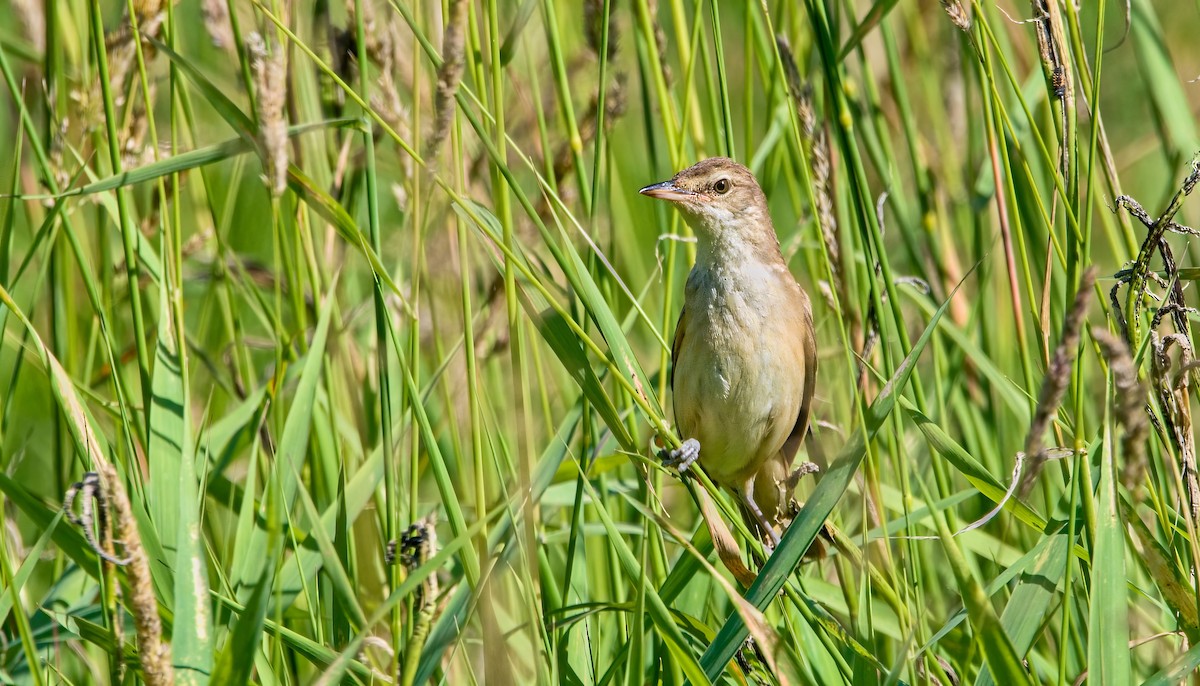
(802, 470)
(806, 468)
(683, 457)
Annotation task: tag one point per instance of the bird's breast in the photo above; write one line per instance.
(739, 376)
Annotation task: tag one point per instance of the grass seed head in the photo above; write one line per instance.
(270, 77)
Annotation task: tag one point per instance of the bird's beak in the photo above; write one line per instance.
(666, 190)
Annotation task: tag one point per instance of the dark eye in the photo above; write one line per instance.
(722, 186)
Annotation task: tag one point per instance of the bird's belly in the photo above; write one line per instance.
(736, 393)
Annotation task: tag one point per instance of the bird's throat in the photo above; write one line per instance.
(730, 248)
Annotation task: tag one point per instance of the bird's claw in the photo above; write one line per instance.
(801, 471)
(806, 468)
(683, 457)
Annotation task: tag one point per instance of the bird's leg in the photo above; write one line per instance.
(747, 495)
(683, 457)
(801, 471)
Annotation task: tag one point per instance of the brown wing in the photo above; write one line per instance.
(776, 479)
(677, 344)
(792, 445)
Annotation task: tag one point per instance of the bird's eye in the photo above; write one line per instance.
(722, 186)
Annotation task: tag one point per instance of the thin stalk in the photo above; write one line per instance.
(133, 270)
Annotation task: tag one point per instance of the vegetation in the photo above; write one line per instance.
(335, 340)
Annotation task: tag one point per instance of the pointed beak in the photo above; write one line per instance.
(666, 190)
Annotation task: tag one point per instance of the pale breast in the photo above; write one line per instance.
(739, 374)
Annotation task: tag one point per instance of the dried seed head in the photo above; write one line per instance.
(593, 25)
(216, 22)
(154, 652)
(817, 144)
(380, 41)
(1129, 405)
(1173, 397)
(1058, 376)
(801, 92)
(146, 8)
(30, 16)
(133, 136)
(453, 48)
(958, 14)
(660, 40)
(118, 43)
(1189, 184)
(386, 101)
(105, 503)
(614, 107)
(270, 77)
(382, 45)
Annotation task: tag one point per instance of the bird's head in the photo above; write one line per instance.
(719, 198)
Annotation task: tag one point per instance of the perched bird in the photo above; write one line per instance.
(744, 355)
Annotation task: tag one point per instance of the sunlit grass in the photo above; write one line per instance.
(357, 315)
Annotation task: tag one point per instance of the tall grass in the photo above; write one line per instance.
(341, 333)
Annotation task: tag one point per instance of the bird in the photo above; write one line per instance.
(744, 355)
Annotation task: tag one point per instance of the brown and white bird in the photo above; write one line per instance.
(744, 356)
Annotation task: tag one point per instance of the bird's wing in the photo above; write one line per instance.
(677, 344)
(776, 478)
(809, 345)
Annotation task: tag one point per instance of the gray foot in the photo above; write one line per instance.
(806, 468)
(682, 458)
(802, 470)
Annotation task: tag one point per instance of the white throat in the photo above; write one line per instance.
(726, 240)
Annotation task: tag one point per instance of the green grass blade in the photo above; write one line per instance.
(1024, 615)
(1178, 671)
(170, 434)
(1108, 618)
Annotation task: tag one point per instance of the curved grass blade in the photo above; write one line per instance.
(88, 441)
(1033, 597)
(1178, 671)
(187, 161)
(975, 473)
